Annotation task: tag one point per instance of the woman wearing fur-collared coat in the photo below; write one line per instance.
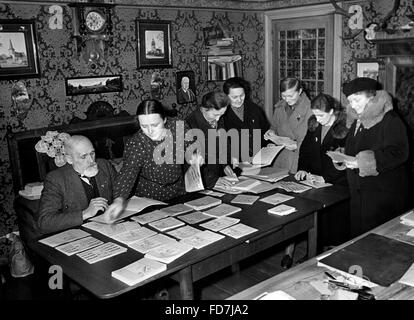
(378, 179)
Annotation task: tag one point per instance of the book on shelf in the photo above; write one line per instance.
(79, 245)
(177, 209)
(150, 243)
(166, 224)
(168, 252)
(239, 230)
(111, 230)
(184, 232)
(203, 203)
(245, 199)
(220, 223)
(222, 210)
(282, 210)
(134, 235)
(194, 217)
(150, 216)
(202, 239)
(276, 198)
(64, 237)
(102, 252)
(139, 271)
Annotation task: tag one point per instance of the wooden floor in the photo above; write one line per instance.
(218, 286)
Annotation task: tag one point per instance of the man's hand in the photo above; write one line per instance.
(96, 204)
(301, 175)
(114, 210)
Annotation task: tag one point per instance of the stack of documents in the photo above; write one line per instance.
(168, 252)
(139, 271)
(222, 210)
(203, 203)
(282, 210)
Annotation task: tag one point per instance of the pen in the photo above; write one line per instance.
(329, 275)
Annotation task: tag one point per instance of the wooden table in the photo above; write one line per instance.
(296, 281)
(196, 264)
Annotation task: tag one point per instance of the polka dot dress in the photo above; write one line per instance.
(143, 166)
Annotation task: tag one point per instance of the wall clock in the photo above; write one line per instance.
(95, 21)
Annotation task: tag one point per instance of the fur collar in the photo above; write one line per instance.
(374, 111)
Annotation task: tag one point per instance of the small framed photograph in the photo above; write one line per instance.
(367, 68)
(19, 56)
(185, 81)
(153, 44)
(95, 84)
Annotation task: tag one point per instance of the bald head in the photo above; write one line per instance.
(185, 82)
(80, 153)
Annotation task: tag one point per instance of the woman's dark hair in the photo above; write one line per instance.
(234, 83)
(151, 106)
(326, 103)
(215, 100)
(289, 83)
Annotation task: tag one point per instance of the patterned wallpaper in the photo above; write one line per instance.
(58, 60)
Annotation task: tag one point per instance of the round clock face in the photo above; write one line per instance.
(95, 21)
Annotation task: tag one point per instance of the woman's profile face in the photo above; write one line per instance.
(323, 117)
(152, 125)
(236, 96)
(291, 96)
(358, 101)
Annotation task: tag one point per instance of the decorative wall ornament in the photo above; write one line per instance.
(56, 20)
(357, 18)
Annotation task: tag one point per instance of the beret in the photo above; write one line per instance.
(359, 84)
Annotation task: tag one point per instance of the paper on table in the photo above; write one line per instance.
(192, 179)
(275, 295)
(134, 205)
(316, 184)
(408, 277)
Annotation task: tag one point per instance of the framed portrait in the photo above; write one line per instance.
(91, 85)
(186, 90)
(19, 56)
(153, 44)
(368, 68)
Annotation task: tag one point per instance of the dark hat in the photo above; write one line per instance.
(358, 85)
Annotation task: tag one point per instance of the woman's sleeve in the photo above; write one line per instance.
(132, 164)
(395, 150)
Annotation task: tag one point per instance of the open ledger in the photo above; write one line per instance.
(139, 271)
(134, 205)
(262, 158)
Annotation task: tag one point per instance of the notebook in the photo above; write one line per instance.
(281, 210)
(194, 217)
(150, 243)
(134, 235)
(184, 232)
(102, 252)
(276, 198)
(177, 209)
(139, 271)
(166, 224)
(202, 239)
(239, 230)
(383, 260)
(222, 210)
(168, 252)
(203, 203)
(220, 223)
(150, 216)
(79, 245)
(245, 199)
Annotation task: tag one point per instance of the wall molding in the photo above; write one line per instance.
(290, 13)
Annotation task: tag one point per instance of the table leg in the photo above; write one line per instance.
(312, 237)
(186, 284)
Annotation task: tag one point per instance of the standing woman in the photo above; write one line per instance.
(289, 123)
(244, 114)
(209, 119)
(378, 179)
(144, 173)
(327, 131)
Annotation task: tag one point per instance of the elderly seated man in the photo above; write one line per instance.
(78, 190)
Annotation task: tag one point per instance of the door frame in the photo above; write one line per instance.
(301, 12)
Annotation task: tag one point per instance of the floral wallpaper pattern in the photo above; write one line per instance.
(59, 60)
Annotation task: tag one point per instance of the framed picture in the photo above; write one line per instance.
(95, 84)
(367, 68)
(185, 81)
(153, 44)
(18, 49)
